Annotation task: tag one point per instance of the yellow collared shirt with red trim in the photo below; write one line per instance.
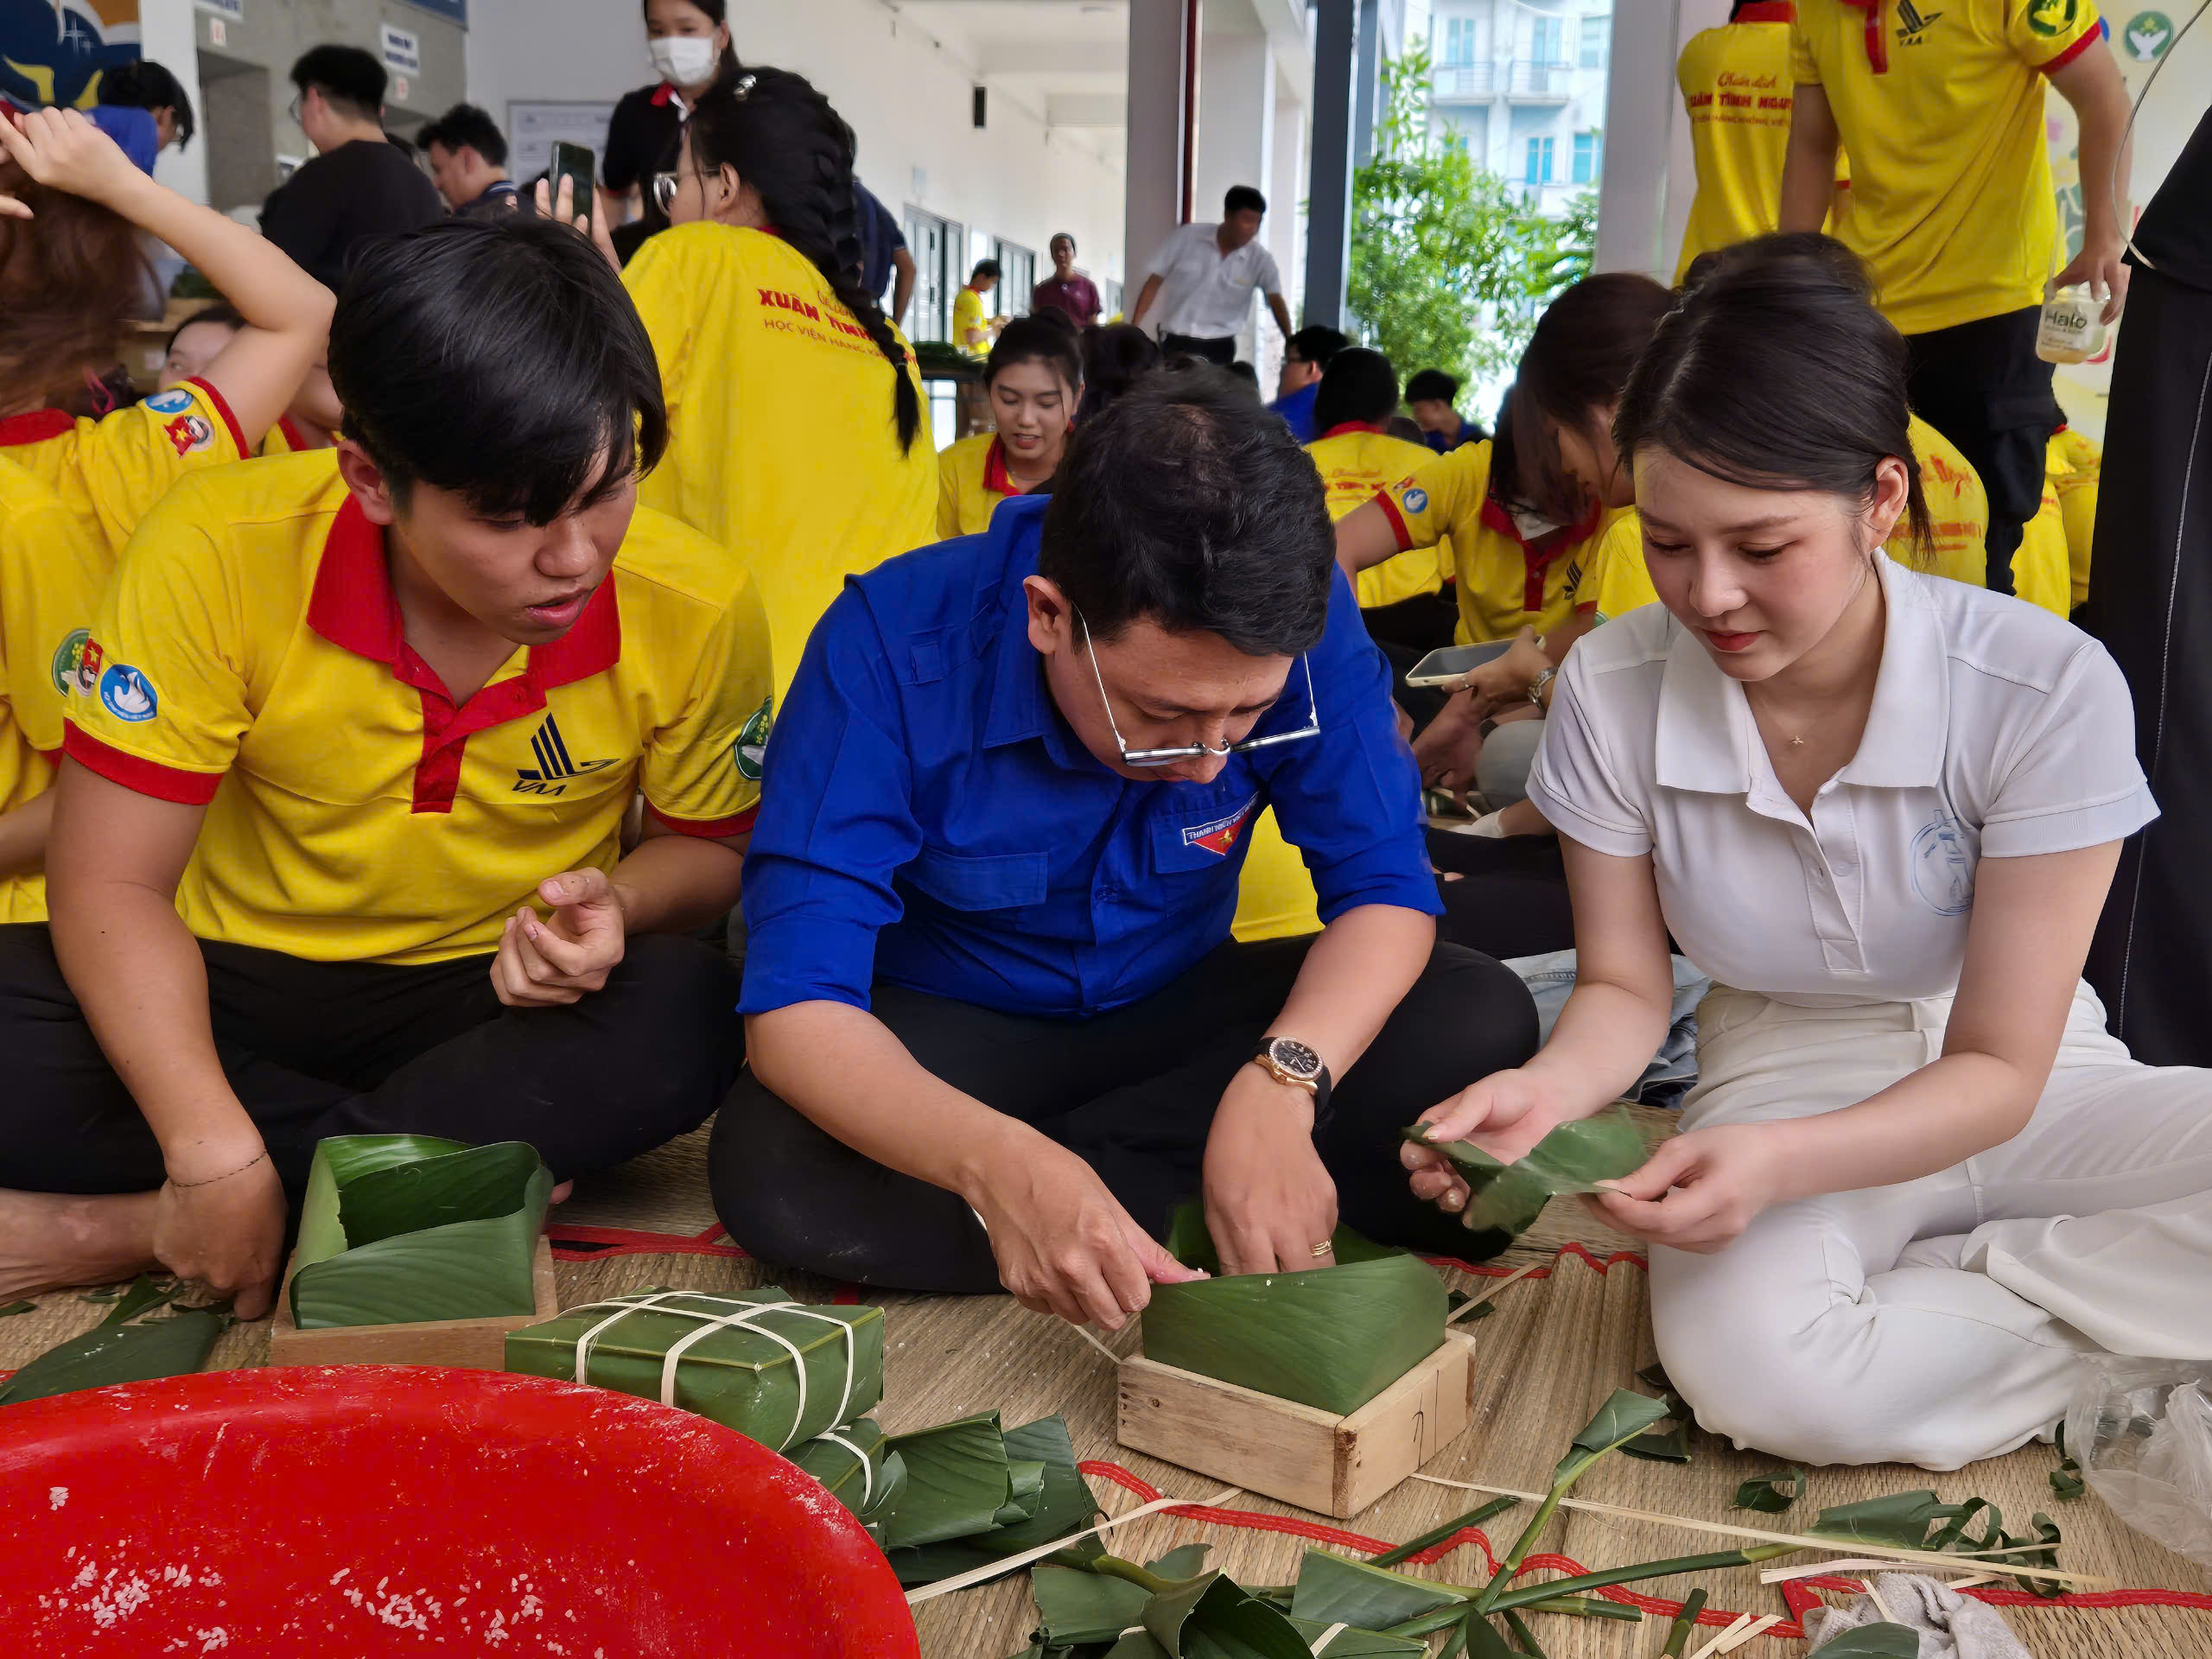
(250, 656)
(51, 573)
(2074, 466)
(971, 480)
(285, 438)
(1507, 579)
(1356, 460)
(109, 471)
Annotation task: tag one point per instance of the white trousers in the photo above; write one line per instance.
(1940, 1320)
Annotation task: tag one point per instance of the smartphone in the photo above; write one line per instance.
(1447, 667)
(575, 163)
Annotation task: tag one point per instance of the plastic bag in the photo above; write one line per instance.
(2142, 1430)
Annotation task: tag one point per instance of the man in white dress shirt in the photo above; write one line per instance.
(1200, 290)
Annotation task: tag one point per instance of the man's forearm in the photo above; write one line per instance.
(1145, 296)
(1355, 974)
(2103, 121)
(673, 883)
(847, 1072)
(1809, 167)
(1281, 314)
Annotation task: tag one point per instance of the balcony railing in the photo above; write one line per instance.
(1526, 80)
(1466, 80)
(1519, 79)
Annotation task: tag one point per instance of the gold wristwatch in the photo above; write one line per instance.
(1289, 1061)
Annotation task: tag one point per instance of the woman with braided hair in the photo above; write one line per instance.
(795, 410)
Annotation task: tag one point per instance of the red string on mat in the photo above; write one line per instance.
(578, 1244)
(1491, 1270)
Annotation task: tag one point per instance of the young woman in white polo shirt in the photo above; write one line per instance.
(1918, 1179)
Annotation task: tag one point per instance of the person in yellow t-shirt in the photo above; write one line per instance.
(313, 418)
(796, 433)
(77, 200)
(1940, 110)
(1033, 379)
(2074, 464)
(2043, 573)
(339, 842)
(973, 327)
(1736, 89)
(1359, 461)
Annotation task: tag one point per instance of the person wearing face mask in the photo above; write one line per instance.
(689, 43)
(796, 433)
(1032, 380)
(997, 1024)
(1917, 1180)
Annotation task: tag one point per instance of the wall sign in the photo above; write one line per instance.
(403, 51)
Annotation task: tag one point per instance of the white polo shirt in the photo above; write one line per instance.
(1997, 730)
(1203, 292)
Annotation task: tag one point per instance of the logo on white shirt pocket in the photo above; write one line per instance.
(1942, 866)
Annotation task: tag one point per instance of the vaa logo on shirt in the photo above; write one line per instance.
(1219, 837)
(1912, 22)
(2051, 17)
(1414, 499)
(554, 769)
(127, 693)
(749, 753)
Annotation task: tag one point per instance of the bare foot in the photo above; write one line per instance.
(561, 1192)
(51, 1241)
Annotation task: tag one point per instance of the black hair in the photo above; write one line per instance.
(1432, 384)
(346, 76)
(1358, 385)
(1061, 236)
(142, 84)
(1242, 198)
(1826, 425)
(1317, 343)
(984, 268)
(716, 12)
(1186, 503)
(221, 312)
(1241, 370)
(1579, 358)
(782, 137)
(1115, 358)
(500, 359)
(466, 127)
(1043, 339)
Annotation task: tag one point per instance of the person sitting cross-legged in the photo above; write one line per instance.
(337, 844)
(997, 1026)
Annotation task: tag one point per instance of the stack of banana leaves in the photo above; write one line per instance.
(1095, 1605)
(1329, 1338)
(400, 1228)
(1505, 1199)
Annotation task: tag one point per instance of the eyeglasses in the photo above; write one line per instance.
(665, 190)
(293, 109)
(1191, 752)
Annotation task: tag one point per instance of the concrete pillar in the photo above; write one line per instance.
(1159, 139)
(1368, 80)
(1237, 122)
(1328, 230)
(165, 36)
(1286, 191)
(1640, 105)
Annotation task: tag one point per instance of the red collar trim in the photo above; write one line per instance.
(662, 95)
(1343, 426)
(354, 608)
(293, 437)
(1495, 517)
(996, 479)
(1767, 11)
(1877, 48)
(35, 426)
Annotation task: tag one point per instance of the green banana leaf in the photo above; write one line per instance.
(1874, 1642)
(1478, 1638)
(2065, 1480)
(1664, 1444)
(1329, 1337)
(744, 1379)
(1332, 1589)
(1064, 1504)
(1074, 1607)
(125, 1346)
(1621, 1419)
(1353, 1643)
(1138, 1644)
(850, 1462)
(1771, 1494)
(1215, 1617)
(1505, 1200)
(396, 1229)
(958, 1480)
(1183, 1561)
(16, 1307)
(1901, 1520)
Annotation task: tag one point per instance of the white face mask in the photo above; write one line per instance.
(684, 59)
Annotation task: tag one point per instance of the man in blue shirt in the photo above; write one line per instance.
(989, 896)
(1432, 396)
(1304, 355)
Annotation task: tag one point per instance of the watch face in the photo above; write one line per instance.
(1295, 1057)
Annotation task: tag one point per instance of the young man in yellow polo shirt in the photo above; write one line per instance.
(337, 843)
(1940, 110)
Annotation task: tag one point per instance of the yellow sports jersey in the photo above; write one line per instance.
(51, 572)
(2074, 465)
(2041, 572)
(108, 472)
(970, 327)
(1275, 894)
(1507, 579)
(1737, 91)
(783, 444)
(285, 438)
(1941, 106)
(972, 481)
(250, 656)
(1357, 462)
(1613, 579)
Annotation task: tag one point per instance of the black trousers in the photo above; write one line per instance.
(1221, 351)
(1510, 899)
(1134, 1092)
(2151, 603)
(1982, 386)
(315, 1049)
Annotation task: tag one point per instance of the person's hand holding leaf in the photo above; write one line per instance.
(1506, 1114)
(1698, 1191)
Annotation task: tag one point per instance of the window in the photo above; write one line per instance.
(1546, 41)
(1540, 162)
(1589, 156)
(1017, 276)
(1597, 33)
(1459, 42)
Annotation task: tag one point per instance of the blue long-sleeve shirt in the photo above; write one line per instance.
(928, 819)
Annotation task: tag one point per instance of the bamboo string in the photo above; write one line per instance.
(1880, 1606)
(1013, 1563)
(1713, 1646)
(1321, 1642)
(1474, 1302)
(1979, 1558)
(1095, 1341)
(1820, 1569)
